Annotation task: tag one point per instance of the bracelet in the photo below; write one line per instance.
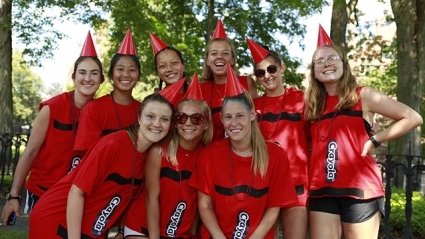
(375, 142)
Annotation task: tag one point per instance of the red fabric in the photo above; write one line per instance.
(172, 194)
(342, 136)
(220, 167)
(103, 116)
(213, 94)
(289, 132)
(105, 175)
(53, 160)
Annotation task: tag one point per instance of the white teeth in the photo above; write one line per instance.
(219, 64)
(155, 130)
(328, 72)
(235, 130)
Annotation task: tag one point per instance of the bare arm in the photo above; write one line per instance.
(268, 220)
(208, 216)
(152, 176)
(74, 212)
(252, 87)
(405, 117)
(38, 134)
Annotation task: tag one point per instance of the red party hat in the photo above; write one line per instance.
(127, 46)
(219, 32)
(88, 47)
(258, 52)
(323, 39)
(173, 92)
(233, 85)
(156, 43)
(194, 90)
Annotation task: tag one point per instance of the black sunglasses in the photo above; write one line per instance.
(195, 119)
(271, 69)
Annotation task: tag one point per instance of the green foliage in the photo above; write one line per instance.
(398, 217)
(26, 88)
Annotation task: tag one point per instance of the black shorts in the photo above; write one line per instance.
(351, 210)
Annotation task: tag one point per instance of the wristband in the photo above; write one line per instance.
(375, 142)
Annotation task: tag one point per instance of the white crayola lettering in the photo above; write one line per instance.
(242, 226)
(104, 215)
(175, 219)
(331, 161)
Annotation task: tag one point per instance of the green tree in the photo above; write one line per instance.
(26, 92)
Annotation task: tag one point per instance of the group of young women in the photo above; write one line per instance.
(210, 159)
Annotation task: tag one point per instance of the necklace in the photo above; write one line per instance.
(116, 111)
(324, 134)
(240, 192)
(74, 115)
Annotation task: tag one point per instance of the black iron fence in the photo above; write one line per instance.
(410, 167)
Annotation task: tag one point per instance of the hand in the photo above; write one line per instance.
(368, 149)
(9, 207)
(119, 235)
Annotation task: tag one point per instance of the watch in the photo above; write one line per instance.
(10, 197)
(375, 142)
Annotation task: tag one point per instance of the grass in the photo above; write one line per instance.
(6, 233)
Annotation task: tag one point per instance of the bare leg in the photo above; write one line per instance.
(294, 222)
(325, 225)
(364, 230)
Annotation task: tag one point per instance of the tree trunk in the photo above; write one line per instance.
(339, 23)
(211, 20)
(409, 17)
(6, 66)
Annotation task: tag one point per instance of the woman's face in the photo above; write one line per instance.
(87, 77)
(169, 66)
(155, 120)
(236, 119)
(328, 66)
(190, 121)
(269, 73)
(219, 55)
(125, 74)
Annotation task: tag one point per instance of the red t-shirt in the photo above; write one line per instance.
(213, 94)
(101, 117)
(53, 159)
(336, 166)
(110, 175)
(177, 200)
(281, 121)
(240, 198)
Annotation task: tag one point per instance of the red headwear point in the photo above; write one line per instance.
(323, 39)
(127, 45)
(219, 32)
(173, 92)
(233, 85)
(194, 90)
(156, 43)
(88, 47)
(258, 52)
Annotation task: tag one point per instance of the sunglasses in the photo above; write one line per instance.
(195, 119)
(271, 69)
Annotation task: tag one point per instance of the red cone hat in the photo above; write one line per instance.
(219, 32)
(127, 46)
(156, 43)
(323, 39)
(194, 90)
(258, 52)
(173, 92)
(233, 85)
(88, 47)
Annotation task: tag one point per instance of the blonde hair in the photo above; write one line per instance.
(207, 74)
(260, 157)
(170, 150)
(315, 94)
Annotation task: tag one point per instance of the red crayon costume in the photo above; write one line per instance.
(177, 200)
(213, 94)
(53, 160)
(239, 198)
(337, 167)
(101, 117)
(281, 121)
(110, 175)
